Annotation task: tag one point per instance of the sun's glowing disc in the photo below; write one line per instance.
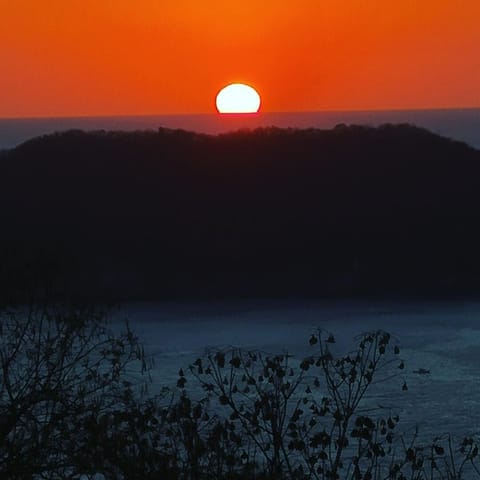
(238, 98)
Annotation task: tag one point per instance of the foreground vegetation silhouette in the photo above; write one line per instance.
(74, 404)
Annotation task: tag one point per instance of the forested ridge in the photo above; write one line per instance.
(270, 212)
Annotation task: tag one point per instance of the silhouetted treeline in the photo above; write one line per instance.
(269, 212)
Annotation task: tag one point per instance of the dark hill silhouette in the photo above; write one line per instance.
(170, 213)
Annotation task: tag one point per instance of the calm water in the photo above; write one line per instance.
(460, 124)
(441, 337)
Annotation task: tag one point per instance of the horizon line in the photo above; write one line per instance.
(215, 113)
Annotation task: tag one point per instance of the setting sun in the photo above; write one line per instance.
(238, 98)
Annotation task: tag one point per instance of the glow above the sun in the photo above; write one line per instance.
(238, 98)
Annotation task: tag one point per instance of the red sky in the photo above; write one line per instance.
(110, 57)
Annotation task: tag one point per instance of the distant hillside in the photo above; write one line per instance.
(269, 212)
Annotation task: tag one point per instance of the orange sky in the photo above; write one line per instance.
(109, 57)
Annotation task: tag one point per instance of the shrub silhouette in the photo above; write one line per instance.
(302, 417)
(73, 403)
(65, 382)
(291, 419)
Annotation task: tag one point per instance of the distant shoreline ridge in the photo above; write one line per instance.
(169, 214)
(459, 124)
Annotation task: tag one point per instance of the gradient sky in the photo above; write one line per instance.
(110, 57)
